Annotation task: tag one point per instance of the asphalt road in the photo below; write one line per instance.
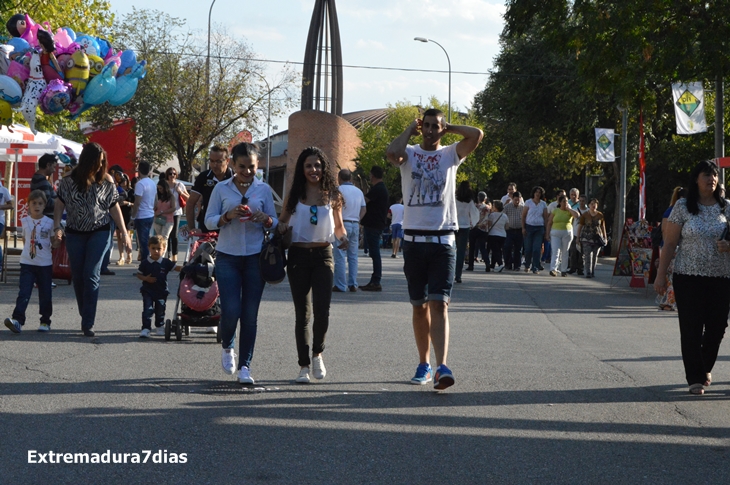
(558, 380)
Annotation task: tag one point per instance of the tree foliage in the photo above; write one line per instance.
(173, 114)
(375, 140)
(564, 68)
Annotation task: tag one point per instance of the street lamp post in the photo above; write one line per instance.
(268, 125)
(423, 39)
(207, 59)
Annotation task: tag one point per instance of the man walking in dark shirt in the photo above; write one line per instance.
(375, 220)
(46, 167)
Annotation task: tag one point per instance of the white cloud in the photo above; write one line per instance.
(369, 44)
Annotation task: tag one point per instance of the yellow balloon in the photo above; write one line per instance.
(77, 71)
(96, 64)
(6, 113)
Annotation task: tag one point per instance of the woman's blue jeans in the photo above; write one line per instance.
(241, 288)
(533, 246)
(85, 252)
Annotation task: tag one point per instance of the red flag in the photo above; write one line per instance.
(642, 170)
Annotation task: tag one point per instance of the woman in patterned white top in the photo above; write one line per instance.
(701, 273)
(90, 198)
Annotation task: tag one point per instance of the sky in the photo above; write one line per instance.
(376, 33)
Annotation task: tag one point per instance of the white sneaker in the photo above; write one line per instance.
(145, 333)
(228, 361)
(161, 331)
(13, 325)
(244, 376)
(44, 327)
(499, 268)
(318, 369)
(211, 330)
(303, 376)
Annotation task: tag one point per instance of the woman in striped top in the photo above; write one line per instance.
(89, 196)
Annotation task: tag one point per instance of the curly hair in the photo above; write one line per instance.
(327, 184)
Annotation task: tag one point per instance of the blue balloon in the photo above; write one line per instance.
(127, 85)
(89, 43)
(101, 88)
(70, 33)
(128, 59)
(104, 47)
(19, 45)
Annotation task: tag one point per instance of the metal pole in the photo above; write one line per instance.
(207, 69)
(423, 39)
(719, 124)
(268, 125)
(268, 135)
(622, 187)
(207, 59)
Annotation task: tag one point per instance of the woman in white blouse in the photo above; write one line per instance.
(313, 212)
(701, 273)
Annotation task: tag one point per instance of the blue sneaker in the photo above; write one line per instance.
(423, 374)
(444, 378)
(13, 325)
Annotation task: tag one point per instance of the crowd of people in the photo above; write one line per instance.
(441, 231)
(517, 235)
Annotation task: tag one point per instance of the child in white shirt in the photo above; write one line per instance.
(36, 264)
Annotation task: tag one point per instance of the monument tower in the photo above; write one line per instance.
(320, 122)
(322, 73)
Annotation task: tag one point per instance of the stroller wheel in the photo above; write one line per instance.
(187, 330)
(178, 330)
(218, 338)
(168, 329)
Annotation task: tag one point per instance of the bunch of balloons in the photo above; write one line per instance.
(61, 72)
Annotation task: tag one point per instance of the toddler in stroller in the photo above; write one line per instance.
(198, 300)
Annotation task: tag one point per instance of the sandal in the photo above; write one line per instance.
(708, 380)
(696, 389)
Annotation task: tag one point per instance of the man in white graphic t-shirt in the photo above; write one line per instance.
(428, 171)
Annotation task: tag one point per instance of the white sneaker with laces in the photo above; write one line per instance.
(228, 361)
(212, 330)
(303, 376)
(244, 376)
(318, 369)
(44, 327)
(161, 331)
(13, 325)
(145, 333)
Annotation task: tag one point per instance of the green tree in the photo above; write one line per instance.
(375, 140)
(173, 114)
(612, 53)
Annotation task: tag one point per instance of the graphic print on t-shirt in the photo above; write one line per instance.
(427, 180)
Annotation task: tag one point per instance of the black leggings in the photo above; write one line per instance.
(311, 275)
(702, 307)
(172, 243)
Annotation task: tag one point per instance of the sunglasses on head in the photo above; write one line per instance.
(313, 211)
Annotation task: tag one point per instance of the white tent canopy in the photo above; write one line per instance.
(23, 142)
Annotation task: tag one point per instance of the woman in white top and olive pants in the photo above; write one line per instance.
(313, 212)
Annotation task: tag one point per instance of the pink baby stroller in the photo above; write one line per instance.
(197, 295)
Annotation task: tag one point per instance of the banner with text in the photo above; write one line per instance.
(689, 108)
